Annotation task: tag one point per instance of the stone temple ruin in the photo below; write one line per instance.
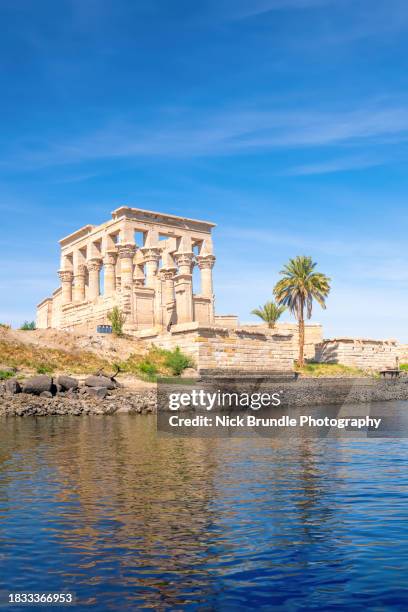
(140, 261)
(144, 262)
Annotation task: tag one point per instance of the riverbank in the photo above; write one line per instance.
(303, 392)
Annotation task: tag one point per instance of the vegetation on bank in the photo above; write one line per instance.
(117, 319)
(4, 374)
(48, 360)
(41, 360)
(157, 362)
(313, 369)
(28, 326)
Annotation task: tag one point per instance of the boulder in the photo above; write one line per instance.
(98, 392)
(64, 383)
(46, 394)
(12, 386)
(100, 381)
(37, 384)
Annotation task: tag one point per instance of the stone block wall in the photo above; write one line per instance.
(313, 335)
(403, 353)
(359, 353)
(232, 349)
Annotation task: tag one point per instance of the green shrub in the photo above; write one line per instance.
(177, 361)
(148, 370)
(5, 326)
(4, 374)
(117, 319)
(45, 369)
(28, 325)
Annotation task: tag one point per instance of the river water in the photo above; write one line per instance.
(127, 519)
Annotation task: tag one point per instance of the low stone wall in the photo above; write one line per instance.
(251, 349)
(359, 353)
(403, 353)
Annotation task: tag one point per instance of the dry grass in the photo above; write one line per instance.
(329, 370)
(48, 360)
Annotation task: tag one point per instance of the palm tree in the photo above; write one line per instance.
(269, 313)
(298, 288)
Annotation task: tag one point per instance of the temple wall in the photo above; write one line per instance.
(230, 321)
(215, 348)
(403, 353)
(359, 353)
(313, 335)
(44, 314)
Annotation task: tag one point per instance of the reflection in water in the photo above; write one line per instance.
(106, 508)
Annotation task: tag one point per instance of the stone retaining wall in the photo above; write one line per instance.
(242, 348)
(359, 353)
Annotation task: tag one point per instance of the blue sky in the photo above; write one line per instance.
(283, 121)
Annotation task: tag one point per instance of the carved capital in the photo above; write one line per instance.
(168, 273)
(126, 251)
(205, 262)
(94, 265)
(151, 254)
(184, 259)
(110, 258)
(81, 270)
(66, 276)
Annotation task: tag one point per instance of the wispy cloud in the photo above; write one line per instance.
(338, 165)
(241, 9)
(233, 131)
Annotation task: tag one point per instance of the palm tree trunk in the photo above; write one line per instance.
(301, 359)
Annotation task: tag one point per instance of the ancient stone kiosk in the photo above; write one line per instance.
(143, 262)
(140, 261)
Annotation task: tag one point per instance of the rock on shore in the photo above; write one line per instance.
(115, 401)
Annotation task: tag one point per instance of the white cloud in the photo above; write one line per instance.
(230, 132)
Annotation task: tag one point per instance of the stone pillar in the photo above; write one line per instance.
(184, 287)
(79, 283)
(167, 274)
(126, 253)
(138, 272)
(66, 277)
(109, 272)
(94, 266)
(152, 258)
(206, 264)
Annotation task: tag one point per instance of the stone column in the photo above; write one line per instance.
(109, 272)
(152, 258)
(169, 300)
(66, 277)
(126, 253)
(138, 272)
(206, 264)
(94, 266)
(184, 287)
(79, 283)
